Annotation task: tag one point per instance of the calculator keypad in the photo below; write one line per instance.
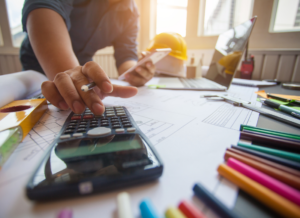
(113, 119)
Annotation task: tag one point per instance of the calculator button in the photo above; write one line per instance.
(110, 115)
(88, 117)
(127, 125)
(99, 131)
(120, 114)
(130, 129)
(77, 134)
(82, 123)
(94, 125)
(125, 121)
(64, 136)
(115, 122)
(124, 117)
(81, 126)
(69, 131)
(104, 124)
(76, 118)
(116, 126)
(74, 121)
(114, 119)
(71, 127)
(99, 116)
(81, 130)
(120, 130)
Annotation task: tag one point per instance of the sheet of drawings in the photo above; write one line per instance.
(190, 134)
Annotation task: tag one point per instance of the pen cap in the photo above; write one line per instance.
(189, 210)
(124, 207)
(147, 209)
(173, 212)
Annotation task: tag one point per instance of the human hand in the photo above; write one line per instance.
(141, 74)
(65, 90)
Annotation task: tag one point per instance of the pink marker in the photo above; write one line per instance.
(265, 180)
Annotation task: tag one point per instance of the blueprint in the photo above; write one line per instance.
(190, 134)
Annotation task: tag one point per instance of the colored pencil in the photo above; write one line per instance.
(275, 152)
(271, 141)
(273, 136)
(212, 202)
(269, 131)
(273, 184)
(281, 175)
(264, 161)
(288, 163)
(261, 193)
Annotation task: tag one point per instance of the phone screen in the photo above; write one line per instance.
(87, 158)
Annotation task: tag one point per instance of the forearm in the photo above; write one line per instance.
(50, 41)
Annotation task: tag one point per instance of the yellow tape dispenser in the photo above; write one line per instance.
(16, 120)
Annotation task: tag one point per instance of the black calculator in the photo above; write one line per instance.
(95, 154)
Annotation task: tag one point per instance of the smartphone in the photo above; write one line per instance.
(154, 56)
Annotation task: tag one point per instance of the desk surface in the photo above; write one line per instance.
(245, 205)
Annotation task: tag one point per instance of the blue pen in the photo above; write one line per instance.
(212, 202)
(147, 209)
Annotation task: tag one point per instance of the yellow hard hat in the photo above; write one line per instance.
(170, 40)
(230, 61)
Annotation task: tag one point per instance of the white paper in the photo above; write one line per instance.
(190, 134)
(16, 86)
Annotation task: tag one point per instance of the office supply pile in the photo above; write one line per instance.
(185, 209)
(266, 165)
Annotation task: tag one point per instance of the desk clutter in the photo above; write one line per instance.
(185, 209)
(269, 171)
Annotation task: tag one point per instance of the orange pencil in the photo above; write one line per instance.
(261, 193)
(281, 175)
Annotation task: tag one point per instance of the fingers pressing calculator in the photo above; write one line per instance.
(95, 154)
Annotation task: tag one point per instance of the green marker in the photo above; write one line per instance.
(270, 132)
(275, 152)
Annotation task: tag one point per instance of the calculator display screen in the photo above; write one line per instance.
(87, 158)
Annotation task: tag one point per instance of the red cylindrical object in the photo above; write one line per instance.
(189, 210)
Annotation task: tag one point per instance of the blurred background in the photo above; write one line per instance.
(274, 41)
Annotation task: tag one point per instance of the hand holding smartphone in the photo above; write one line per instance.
(154, 56)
